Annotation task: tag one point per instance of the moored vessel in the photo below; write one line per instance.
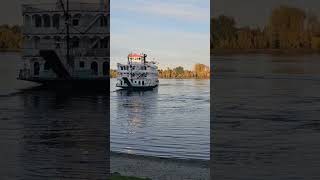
(66, 44)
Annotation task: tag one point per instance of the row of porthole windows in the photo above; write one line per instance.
(54, 21)
(133, 74)
(139, 82)
(93, 67)
(133, 67)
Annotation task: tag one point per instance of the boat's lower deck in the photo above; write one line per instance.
(138, 87)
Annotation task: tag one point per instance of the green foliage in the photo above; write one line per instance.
(200, 71)
(224, 30)
(113, 73)
(179, 70)
(288, 28)
(10, 37)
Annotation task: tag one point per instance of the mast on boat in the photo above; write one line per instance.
(67, 18)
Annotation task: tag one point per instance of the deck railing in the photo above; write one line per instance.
(56, 7)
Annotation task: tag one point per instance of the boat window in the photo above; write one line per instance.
(104, 43)
(139, 82)
(75, 22)
(36, 68)
(104, 21)
(121, 67)
(56, 20)
(142, 82)
(37, 21)
(46, 20)
(94, 68)
(81, 64)
(106, 68)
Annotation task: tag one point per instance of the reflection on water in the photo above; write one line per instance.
(52, 135)
(266, 117)
(169, 121)
(133, 108)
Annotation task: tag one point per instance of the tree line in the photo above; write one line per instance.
(10, 37)
(287, 28)
(200, 71)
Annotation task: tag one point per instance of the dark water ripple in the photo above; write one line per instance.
(50, 135)
(266, 117)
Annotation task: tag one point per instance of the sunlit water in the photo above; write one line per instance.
(266, 117)
(170, 121)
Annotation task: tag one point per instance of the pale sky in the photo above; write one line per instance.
(172, 32)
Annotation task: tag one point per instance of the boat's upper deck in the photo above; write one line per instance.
(74, 7)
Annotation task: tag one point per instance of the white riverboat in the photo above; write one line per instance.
(138, 73)
(66, 44)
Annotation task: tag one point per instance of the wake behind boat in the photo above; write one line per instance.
(138, 73)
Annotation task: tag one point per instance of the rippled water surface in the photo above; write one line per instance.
(50, 135)
(47, 134)
(170, 121)
(267, 117)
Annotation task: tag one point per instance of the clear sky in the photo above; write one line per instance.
(172, 32)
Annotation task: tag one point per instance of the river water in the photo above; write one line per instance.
(170, 121)
(266, 117)
(48, 134)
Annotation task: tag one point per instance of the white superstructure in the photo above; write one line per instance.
(65, 41)
(138, 73)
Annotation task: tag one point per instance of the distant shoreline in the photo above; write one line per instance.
(177, 78)
(264, 51)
